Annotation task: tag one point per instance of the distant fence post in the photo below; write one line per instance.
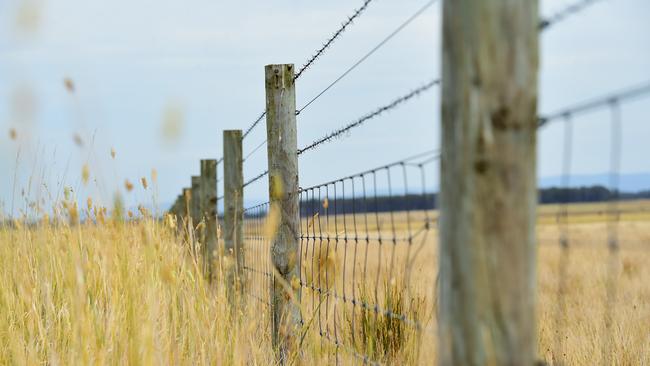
(195, 214)
(284, 197)
(233, 208)
(488, 189)
(186, 210)
(208, 200)
(195, 201)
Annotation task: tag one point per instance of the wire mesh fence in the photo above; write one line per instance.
(612, 246)
(362, 239)
(257, 267)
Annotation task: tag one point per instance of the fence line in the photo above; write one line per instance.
(368, 54)
(362, 235)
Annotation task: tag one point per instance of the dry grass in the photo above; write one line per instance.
(132, 293)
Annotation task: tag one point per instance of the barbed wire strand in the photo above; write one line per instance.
(255, 179)
(572, 9)
(369, 116)
(331, 40)
(253, 125)
(368, 54)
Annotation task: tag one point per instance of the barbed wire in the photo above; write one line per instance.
(368, 54)
(256, 178)
(331, 40)
(253, 125)
(627, 94)
(370, 116)
(572, 9)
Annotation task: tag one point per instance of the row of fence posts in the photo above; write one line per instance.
(486, 289)
(197, 207)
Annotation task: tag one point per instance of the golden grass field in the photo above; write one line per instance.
(131, 293)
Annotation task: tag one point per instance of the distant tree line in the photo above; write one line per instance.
(430, 201)
(586, 194)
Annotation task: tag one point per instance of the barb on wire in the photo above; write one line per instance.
(565, 13)
(253, 125)
(367, 55)
(331, 40)
(627, 94)
(256, 178)
(369, 116)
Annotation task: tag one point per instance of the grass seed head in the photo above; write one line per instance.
(128, 185)
(69, 85)
(85, 174)
(78, 140)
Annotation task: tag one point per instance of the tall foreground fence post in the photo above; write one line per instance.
(208, 200)
(488, 188)
(284, 207)
(233, 218)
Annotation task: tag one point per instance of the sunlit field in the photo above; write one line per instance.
(132, 293)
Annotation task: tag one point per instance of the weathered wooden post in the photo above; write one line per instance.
(284, 197)
(208, 200)
(488, 188)
(186, 210)
(187, 198)
(233, 233)
(195, 201)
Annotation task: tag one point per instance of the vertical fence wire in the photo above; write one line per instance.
(257, 254)
(562, 221)
(357, 252)
(613, 217)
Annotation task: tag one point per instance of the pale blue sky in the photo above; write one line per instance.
(133, 60)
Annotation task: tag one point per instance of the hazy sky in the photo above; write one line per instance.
(158, 81)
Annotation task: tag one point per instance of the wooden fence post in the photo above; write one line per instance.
(186, 210)
(233, 208)
(488, 189)
(195, 215)
(187, 198)
(284, 197)
(208, 200)
(195, 201)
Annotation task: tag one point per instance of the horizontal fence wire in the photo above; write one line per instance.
(629, 93)
(259, 146)
(368, 54)
(331, 40)
(566, 12)
(377, 112)
(254, 124)
(255, 178)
